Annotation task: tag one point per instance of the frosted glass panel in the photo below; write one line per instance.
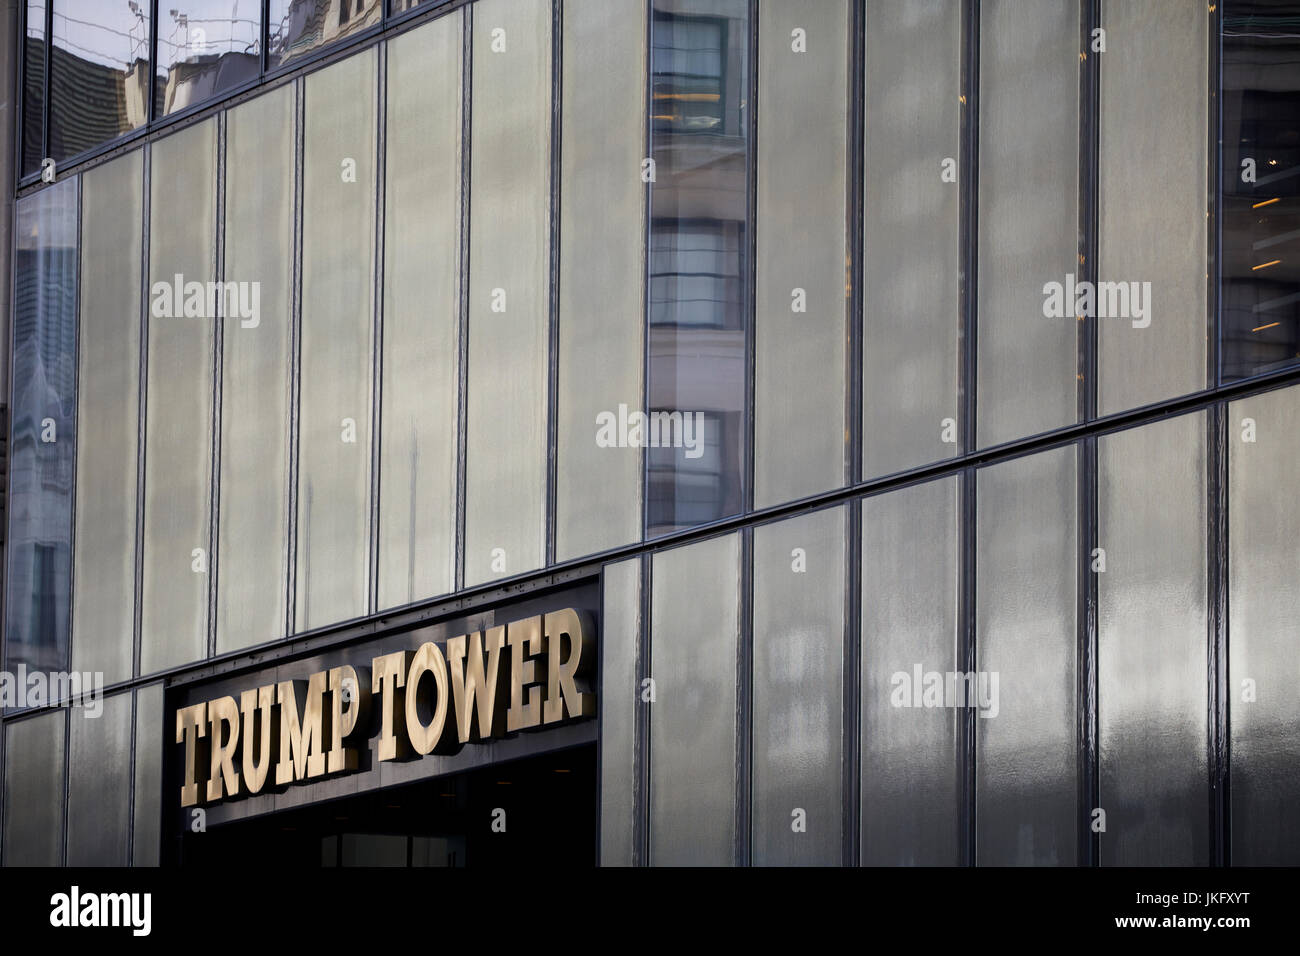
(694, 635)
(619, 698)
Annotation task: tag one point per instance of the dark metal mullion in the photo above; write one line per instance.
(264, 59)
(965, 650)
(648, 253)
(1219, 529)
(218, 367)
(851, 757)
(751, 261)
(462, 359)
(151, 107)
(47, 109)
(553, 301)
(130, 784)
(641, 723)
(850, 731)
(295, 356)
(745, 701)
(1086, 704)
(1086, 581)
(142, 408)
(1218, 699)
(378, 198)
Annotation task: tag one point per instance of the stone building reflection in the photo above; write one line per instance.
(698, 261)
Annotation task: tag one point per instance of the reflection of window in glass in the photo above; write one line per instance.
(695, 273)
(33, 86)
(99, 78)
(688, 61)
(1260, 218)
(205, 47)
(691, 487)
(698, 267)
(298, 27)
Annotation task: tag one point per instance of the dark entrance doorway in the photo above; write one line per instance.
(540, 808)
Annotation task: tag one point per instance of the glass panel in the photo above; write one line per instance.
(297, 27)
(99, 784)
(699, 233)
(99, 81)
(43, 429)
(800, 329)
(1260, 212)
(205, 47)
(910, 792)
(34, 46)
(602, 273)
(1264, 605)
(1154, 91)
(619, 697)
(505, 495)
(910, 251)
(417, 471)
(33, 803)
(148, 775)
(108, 402)
(694, 636)
(178, 417)
(1026, 634)
(1151, 650)
(798, 689)
(1028, 214)
(338, 268)
(254, 532)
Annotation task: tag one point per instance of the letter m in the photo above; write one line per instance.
(302, 751)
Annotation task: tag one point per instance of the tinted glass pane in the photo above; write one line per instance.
(1263, 606)
(909, 318)
(505, 455)
(602, 273)
(149, 742)
(338, 292)
(421, 359)
(33, 804)
(108, 402)
(34, 50)
(43, 429)
(1028, 214)
(619, 698)
(254, 532)
(205, 47)
(1151, 644)
(800, 310)
(1026, 634)
(1154, 105)
(99, 84)
(694, 635)
(910, 789)
(1260, 214)
(699, 234)
(178, 413)
(298, 27)
(99, 784)
(798, 689)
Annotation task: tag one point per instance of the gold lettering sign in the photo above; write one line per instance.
(432, 700)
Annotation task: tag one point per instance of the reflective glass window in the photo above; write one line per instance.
(1260, 210)
(298, 27)
(43, 428)
(99, 80)
(699, 236)
(34, 53)
(204, 47)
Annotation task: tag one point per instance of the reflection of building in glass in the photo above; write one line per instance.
(300, 26)
(698, 259)
(1261, 189)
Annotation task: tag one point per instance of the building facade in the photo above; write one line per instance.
(652, 432)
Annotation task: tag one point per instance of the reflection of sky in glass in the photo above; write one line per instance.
(108, 32)
(35, 18)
